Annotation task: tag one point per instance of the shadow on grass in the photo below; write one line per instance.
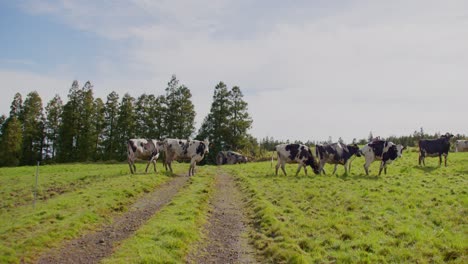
(426, 169)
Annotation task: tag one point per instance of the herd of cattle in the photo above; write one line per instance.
(337, 153)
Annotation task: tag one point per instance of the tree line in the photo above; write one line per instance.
(86, 128)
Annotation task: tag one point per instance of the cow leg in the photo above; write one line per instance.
(334, 170)
(382, 165)
(445, 158)
(346, 168)
(283, 165)
(277, 166)
(147, 165)
(349, 167)
(305, 169)
(131, 167)
(298, 169)
(367, 164)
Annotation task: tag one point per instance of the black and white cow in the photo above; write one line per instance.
(382, 150)
(295, 153)
(176, 149)
(230, 157)
(434, 148)
(461, 145)
(336, 153)
(144, 149)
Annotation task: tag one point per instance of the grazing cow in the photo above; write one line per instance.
(144, 149)
(230, 157)
(382, 150)
(194, 150)
(295, 153)
(336, 153)
(434, 148)
(461, 145)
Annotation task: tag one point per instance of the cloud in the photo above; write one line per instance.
(308, 70)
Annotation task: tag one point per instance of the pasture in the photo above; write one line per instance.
(412, 214)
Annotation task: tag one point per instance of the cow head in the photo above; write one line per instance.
(447, 136)
(313, 164)
(400, 149)
(354, 149)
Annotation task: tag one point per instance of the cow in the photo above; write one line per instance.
(336, 153)
(461, 145)
(295, 153)
(434, 148)
(230, 157)
(382, 150)
(144, 149)
(194, 150)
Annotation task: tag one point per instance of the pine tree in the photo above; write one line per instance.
(69, 129)
(144, 122)
(12, 140)
(215, 126)
(54, 111)
(98, 120)
(12, 134)
(240, 120)
(85, 141)
(33, 129)
(157, 113)
(16, 107)
(180, 111)
(110, 126)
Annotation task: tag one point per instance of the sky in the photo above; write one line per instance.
(309, 70)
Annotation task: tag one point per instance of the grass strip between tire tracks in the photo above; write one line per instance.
(168, 235)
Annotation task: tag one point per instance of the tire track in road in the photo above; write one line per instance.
(93, 247)
(225, 232)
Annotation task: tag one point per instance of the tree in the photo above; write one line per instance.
(227, 122)
(69, 129)
(85, 139)
(53, 122)
(240, 120)
(33, 129)
(125, 125)
(110, 140)
(98, 123)
(12, 134)
(16, 107)
(179, 118)
(12, 140)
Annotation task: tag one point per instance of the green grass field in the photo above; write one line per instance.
(410, 215)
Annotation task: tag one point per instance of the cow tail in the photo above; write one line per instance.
(272, 156)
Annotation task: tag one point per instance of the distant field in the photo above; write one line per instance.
(410, 215)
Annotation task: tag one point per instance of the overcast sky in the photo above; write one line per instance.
(308, 69)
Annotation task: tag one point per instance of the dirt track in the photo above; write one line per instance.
(226, 240)
(93, 247)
